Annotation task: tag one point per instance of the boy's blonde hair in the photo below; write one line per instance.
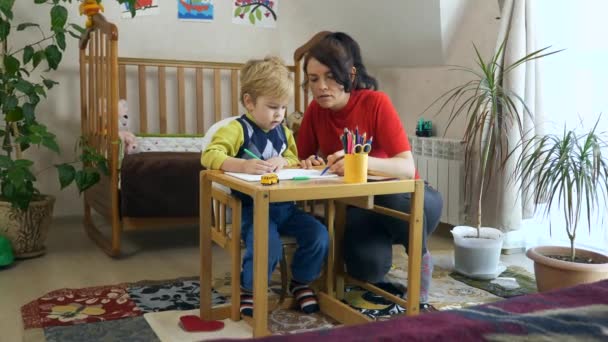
(266, 77)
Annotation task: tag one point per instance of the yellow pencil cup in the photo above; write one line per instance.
(355, 168)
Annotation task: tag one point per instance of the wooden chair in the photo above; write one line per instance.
(227, 234)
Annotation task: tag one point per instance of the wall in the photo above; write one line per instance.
(414, 89)
(416, 38)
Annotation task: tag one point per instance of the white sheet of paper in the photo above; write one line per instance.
(284, 174)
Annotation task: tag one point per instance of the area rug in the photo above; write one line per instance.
(114, 312)
(514, 281)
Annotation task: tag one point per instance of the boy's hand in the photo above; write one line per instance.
(257, 167)
(278, 163)
(311, 161)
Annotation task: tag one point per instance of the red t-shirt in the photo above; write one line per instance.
(371, 111)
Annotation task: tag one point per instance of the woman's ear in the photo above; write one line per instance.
(353, 74)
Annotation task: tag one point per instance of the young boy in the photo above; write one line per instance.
(266, 87)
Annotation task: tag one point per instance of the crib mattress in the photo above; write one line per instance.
(160, 184)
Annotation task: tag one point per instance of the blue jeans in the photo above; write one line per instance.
(369, 236)
(287, 219)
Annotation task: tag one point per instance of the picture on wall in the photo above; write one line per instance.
(259, 13)
(195, 10)
(142, 7)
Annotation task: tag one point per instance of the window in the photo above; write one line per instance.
(574, 86)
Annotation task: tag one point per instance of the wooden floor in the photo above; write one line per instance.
(72, 260)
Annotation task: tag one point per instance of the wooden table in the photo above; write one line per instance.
(340, 195)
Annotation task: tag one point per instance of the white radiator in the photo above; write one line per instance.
(441, 163)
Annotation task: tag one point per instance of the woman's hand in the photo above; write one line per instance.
(257, 167)
(335, 162)
(311, 161)
(278, 163)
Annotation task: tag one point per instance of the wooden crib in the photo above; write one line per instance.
(104, 78)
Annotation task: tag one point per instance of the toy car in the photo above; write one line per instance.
(269, 179)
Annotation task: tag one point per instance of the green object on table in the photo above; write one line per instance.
(6, 252)
(300, 178)
(251, 154)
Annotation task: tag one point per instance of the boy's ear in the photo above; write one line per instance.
(249, 102)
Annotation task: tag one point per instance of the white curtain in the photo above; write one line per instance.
(504, 204)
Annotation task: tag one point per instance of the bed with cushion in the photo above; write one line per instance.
(578, 313)
(157, 187)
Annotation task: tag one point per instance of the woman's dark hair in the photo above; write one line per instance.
(340, 52)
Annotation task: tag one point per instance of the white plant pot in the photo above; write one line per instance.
(477, 257)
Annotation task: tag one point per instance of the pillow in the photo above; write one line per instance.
(206, 140)
(214, 128)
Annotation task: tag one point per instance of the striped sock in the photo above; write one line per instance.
(305, 297)
(246, 303)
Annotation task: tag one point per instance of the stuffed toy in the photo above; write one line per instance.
(294, 120)
(128, 140)
(90, 8)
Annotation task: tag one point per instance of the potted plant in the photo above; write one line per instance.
(489, 111)
(25, 213)
(567, 170)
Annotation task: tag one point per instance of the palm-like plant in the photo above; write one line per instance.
(570, 169)
(490, 110)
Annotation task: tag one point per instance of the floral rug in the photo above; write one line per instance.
(114, 312)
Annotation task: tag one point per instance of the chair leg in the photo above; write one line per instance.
(284, 280)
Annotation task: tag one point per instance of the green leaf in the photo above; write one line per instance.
(28, 53)
(28, 111)
(24, 86)
(35, 139)
(49, 83)
(23, 26)
(11, 64)
(14, 115)
(59, 17)
(247, 9)
(34, 99)
(78, 28)
(75, 35)
(252, 18)
(50, 143)
(24, 163)
(66, 173)
(40, 90)
(5, 162)
(238, 11)
(39, 1)
(53, 56)
(10, 103)
(86, 179)
(6, 7)
(5, 29)
(258, 14)
(24, 70)
(38, 57)
(60, 37)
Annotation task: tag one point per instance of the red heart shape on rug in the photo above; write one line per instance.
(195, 323)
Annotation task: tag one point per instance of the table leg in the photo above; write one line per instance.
(260, 263)
(415, 249)
(206, 271)
(339, 226)
(330, 277)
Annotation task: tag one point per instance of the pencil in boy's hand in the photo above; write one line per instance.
(324, 170)
(251, 154)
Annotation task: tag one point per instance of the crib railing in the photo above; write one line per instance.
(164, 96)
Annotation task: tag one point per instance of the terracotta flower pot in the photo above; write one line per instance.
(27, 230)
(553, 274)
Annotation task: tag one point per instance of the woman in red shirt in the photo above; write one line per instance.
(345, 95)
